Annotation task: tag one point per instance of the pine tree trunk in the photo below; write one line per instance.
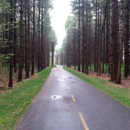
(79, 35)
(15, 38)
(115, 38)
(42, 39)
(52, 61)
(21, 42)
(83, 35)
(126, 46)
(28, 42)
(74, 49)
(39, 38)
(33, 42)
(11, 46)
(96, 38)
(86, 38)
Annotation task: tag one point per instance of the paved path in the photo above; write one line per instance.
(68, 103)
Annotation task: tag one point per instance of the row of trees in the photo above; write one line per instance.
(98, 37)
(26, 36)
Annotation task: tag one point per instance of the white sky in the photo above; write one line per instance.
(59, 16)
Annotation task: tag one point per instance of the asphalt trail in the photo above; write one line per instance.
(68, 103)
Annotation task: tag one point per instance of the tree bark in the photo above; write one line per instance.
(126, 46)
(11, 46)
(52, 60)
(33, 42)
(115, 38)
(21, 42)
(79, 35)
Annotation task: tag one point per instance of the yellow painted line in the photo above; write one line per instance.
(73, 98)
(83, 121)
(68, 87)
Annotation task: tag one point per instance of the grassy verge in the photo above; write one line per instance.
(15, 102)
(122, 94)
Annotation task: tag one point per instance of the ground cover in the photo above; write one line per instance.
(15, 102)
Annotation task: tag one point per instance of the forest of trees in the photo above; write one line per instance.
(26, 37)
(98, 38)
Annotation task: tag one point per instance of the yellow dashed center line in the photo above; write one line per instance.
(83, 121)
(73, 98)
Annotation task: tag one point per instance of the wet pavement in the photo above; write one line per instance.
(68, 103)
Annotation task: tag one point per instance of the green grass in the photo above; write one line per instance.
(122, 94)
(15, 102)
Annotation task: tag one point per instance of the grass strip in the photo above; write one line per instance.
(121, 94)
(15, 102)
